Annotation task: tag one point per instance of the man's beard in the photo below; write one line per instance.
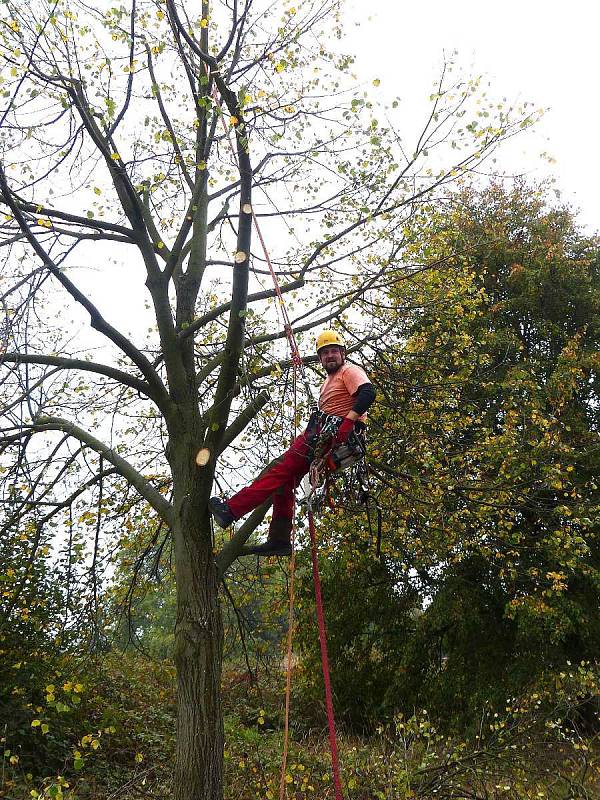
(331, 369)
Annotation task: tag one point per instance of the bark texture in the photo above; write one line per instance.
(198, 633)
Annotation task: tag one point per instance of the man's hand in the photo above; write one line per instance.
(343, 432)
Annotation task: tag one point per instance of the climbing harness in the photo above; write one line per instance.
(339, 476)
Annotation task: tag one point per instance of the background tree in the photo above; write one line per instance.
(141, 142)
(485, 438)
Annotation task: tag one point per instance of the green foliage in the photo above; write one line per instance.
(93, 729)
(366, 635)
(493, 508)
(33, 628)
(535, 746)
(485, 440)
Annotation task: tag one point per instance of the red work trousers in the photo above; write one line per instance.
(279, 480)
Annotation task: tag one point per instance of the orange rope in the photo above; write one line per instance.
(298, 365)
(290, 634)
(288, 680)
(335, 765)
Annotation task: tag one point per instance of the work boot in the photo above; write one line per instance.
(270, 548)
(278, 542)
(221, 512)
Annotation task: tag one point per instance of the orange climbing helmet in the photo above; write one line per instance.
(326, 338)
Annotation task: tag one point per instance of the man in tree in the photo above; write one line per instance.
(347, 394)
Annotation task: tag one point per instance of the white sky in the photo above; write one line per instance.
(543, 51)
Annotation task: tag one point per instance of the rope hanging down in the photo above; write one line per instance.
(324, 658)
(298, 366)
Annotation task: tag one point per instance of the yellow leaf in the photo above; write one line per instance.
(115, 156)
(203, 22)
(35, 723)
(376, 82)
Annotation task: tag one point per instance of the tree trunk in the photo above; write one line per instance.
(198, 644)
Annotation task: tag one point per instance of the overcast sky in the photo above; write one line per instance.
(537, 50)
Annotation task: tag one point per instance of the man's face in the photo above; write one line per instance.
(332, 358)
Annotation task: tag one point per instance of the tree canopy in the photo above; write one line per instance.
(485, 441)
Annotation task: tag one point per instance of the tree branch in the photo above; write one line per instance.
(253, 408)
(79, 364)
(124, 468)
(96, 319)
(166, 119)
(235, 546)
(53, 213)
(224, 307)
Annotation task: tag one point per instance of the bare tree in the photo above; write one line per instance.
(149, 139)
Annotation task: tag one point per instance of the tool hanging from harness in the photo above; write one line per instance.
(339, 476)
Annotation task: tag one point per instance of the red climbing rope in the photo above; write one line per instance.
(298, 366)
(324, 659)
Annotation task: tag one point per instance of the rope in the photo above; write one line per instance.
(287, 325)
(297, 362)
(298, 366)
(288, 679)
(290, 633)
(324, 659)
